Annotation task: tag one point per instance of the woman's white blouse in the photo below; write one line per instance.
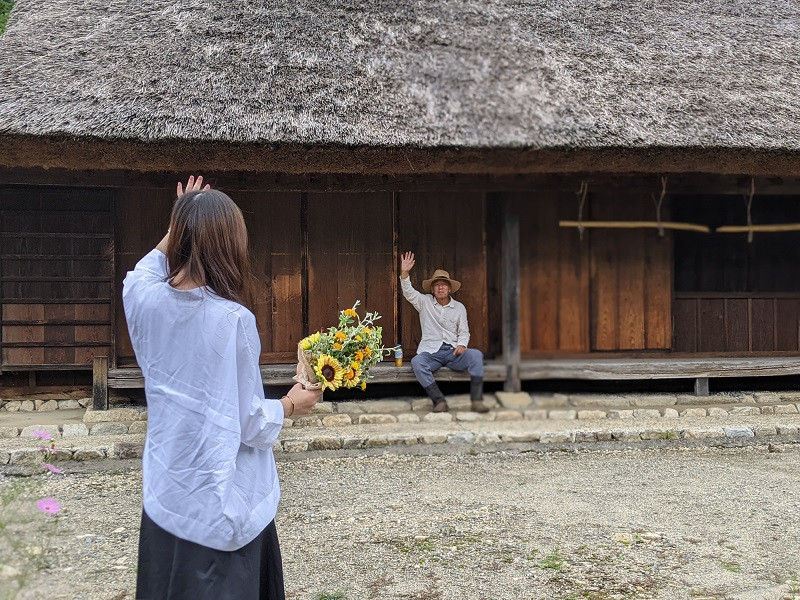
(208, 471)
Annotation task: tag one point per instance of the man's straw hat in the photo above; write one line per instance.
(439, 274)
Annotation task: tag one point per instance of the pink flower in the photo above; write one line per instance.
(48, 506)
(51, 468)
(42, 435)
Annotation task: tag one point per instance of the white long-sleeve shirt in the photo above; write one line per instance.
(209, 474)
(440, 324)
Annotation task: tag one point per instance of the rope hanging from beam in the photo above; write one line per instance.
(657, 224)
(750, 229)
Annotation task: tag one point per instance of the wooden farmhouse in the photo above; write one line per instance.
(617, 186)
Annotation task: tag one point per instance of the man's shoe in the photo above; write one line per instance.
(441, 406)
(478, 406)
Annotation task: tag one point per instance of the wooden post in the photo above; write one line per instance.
(100, 383)
(510, 249)
(701, 386)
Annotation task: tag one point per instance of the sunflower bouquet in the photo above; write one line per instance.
(342, 355)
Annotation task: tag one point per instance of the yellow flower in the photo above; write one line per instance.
(337, 346)
(359, 356)
(367, 330)
(340, 336)
(351, 313)
(367, 351)
(308, 342)
(329, 371)
(363, 385)
(353, 376)
(358, 338)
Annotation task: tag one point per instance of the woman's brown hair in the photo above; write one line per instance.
(208, 238)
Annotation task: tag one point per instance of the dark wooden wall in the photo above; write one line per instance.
(57, 269)
(731, 295)
(65, 250)
(314, 254)
(610, 291)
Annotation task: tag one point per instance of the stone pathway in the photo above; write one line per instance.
(85, 434)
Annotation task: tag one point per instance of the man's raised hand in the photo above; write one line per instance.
(406, 264)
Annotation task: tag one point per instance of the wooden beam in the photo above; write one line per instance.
(510, 297)
(657, 368)
(758, 228)
(100, 383)
(131, 377)
(678, 184)
(636, 225)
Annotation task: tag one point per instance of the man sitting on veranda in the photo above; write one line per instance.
(445, 335)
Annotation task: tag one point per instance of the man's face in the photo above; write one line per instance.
(441, 289)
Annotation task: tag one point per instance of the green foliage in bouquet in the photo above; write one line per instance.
(343, 355)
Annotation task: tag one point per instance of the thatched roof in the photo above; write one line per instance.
(539, 82)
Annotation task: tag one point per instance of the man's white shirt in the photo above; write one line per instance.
(440, 324)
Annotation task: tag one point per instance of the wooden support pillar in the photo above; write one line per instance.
(100, 383)
(701, 386)
(511, 269)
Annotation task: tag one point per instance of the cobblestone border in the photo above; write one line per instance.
(327, 441)
(120, 421)
(43, 404)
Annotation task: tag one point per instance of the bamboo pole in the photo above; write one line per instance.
(636, 225)
(757, 228)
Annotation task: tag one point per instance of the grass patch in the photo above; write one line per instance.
(731, 566)
(330, 596)
(553, 561)
(5, 8)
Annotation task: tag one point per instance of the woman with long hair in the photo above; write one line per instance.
(210, 486)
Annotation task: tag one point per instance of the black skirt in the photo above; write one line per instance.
(173, 569)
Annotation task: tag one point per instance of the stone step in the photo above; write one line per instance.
(133, 420)
(481, 434)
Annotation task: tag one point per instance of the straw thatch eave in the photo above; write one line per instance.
(103, 155)
(453, 85)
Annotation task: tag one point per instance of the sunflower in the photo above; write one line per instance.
(308, 342)
(329, 371)
(352, 376)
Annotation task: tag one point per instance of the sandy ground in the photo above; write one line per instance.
(682, 522)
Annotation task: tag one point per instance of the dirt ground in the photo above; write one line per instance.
(613, 523)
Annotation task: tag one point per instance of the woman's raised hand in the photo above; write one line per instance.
(192, 185)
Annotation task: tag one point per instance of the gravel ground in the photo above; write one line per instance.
(622, 523)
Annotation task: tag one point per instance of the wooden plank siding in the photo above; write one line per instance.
(142, 216)
(554, 265)
(445, 231)
(631, 278)
(274, 229)
(351, 257)
(57, 274)
(737, 322)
